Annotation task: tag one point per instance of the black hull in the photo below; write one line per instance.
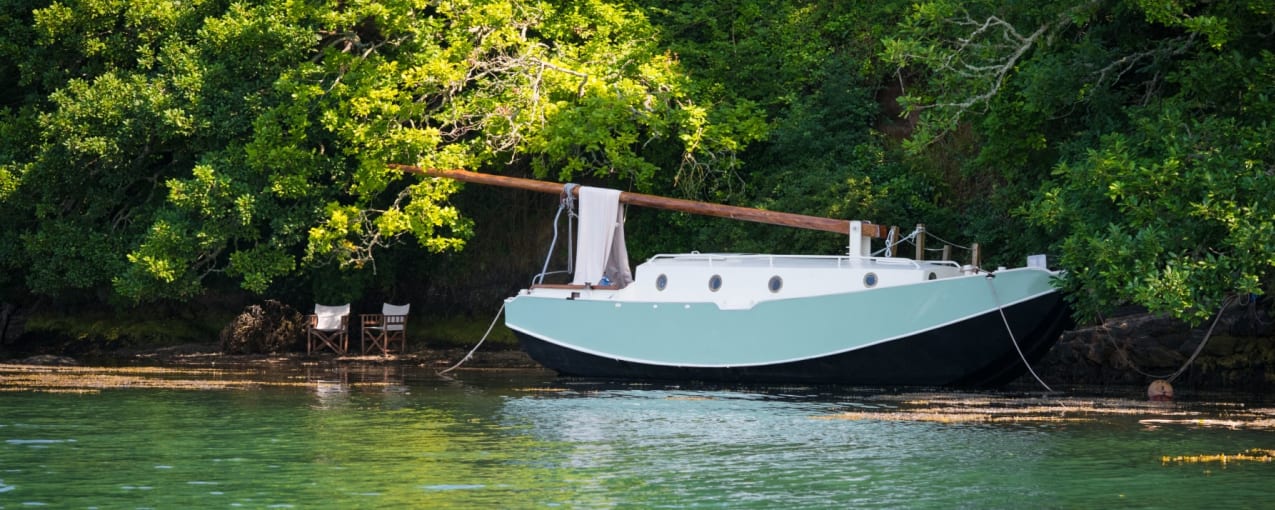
(976, 352)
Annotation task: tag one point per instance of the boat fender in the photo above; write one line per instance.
(1160, 391)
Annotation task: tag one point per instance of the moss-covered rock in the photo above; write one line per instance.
(1134, 349)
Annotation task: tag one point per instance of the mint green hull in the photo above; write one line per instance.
(783, 331)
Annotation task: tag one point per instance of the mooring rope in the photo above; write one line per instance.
(1198, 349)
(480, 342)
(1000, 308)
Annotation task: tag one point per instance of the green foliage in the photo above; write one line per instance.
(968, 51)
(151, 149)
(1154, 117)
(461, 332)
(810, 70)
(159, 146)
(1175, 215)
(128, 328)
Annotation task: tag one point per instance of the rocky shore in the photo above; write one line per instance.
(1137, 348)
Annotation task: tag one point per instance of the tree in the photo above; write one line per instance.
(158, 145)
(813, 73)
(1154, 118)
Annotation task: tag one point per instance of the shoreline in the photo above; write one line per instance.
(144, 368)
(210, 355)
(1117, 355)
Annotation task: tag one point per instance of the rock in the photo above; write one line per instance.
(1124, 348)
(1252, 321)
(47, 359)
(12, 322)
(1221, 346)
(1158, 360)
(271, 327)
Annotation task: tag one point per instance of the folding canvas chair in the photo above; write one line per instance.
(327, 329)
(381, 331)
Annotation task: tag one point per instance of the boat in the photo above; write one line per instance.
(862, 318)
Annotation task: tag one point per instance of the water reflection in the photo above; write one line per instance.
(332, 384)
(388, 436)
(778, 447)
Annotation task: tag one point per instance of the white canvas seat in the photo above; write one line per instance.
(328, 329)
(381, 331)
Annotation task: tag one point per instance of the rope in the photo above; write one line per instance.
(480, 342)
(888, 250)
(944, 241)
(911, 238)
(1198, 349)
(1010, 330)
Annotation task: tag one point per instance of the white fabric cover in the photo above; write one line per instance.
(388, 309)
(600, 248)
(329, 317)
(617, 267)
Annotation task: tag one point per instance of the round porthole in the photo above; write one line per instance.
(933, 276)
(661, 281)
(715, 283)
(775, 283)
(870, 280)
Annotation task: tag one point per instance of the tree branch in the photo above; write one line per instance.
(995, 72)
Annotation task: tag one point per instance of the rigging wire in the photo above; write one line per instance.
(944, 241)
(568, 204)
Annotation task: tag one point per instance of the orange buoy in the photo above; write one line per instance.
(1160, 391)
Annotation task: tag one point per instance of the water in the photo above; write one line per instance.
(316, 437)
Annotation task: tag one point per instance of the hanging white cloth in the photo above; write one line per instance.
(617, 267)
(601, 251)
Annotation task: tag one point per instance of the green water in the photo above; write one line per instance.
(389, 439)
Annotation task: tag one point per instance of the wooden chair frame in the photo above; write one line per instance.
(380, 331)
(328, 328)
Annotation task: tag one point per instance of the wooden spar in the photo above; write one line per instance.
(658, 202)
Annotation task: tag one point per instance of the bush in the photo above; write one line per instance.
(271, 327)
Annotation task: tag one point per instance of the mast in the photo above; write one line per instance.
(658, 202)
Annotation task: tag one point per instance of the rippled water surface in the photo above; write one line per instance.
(380, 437)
